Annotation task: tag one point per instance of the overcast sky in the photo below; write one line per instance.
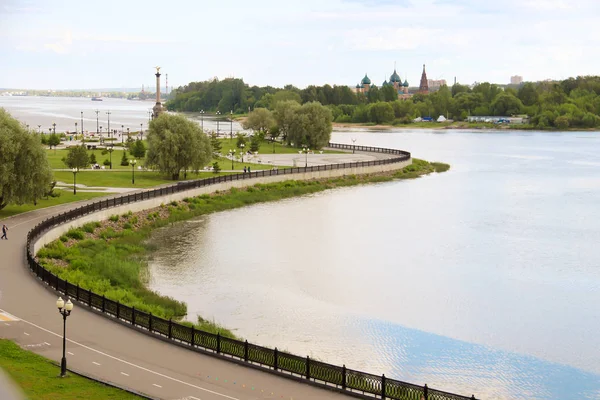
(65, 44)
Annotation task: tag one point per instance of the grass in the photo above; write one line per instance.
(110, 259)
(38, 378)
(105, 178)
(266, 147)
(55, 157)
(65, 197)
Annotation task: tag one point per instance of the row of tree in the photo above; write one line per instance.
(574, 102)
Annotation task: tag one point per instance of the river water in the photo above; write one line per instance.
(483, 280)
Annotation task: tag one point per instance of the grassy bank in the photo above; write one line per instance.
(38, 378)
(65, 197)
(109, 257)
(266, 147)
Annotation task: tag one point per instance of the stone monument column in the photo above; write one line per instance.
(157, 109)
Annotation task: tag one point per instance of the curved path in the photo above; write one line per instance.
(115, 353)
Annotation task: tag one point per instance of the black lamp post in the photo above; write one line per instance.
(65, 311)
(122, 132)
(353, 145)
(242, 151)
(132, 162)
(97, 132)
(128, 134)
(231, 154)
(305, 150)
(141, 131)
(108, 128)
(76, 131)
(218, 113)
(101, 136)
(39, 128)
(54, 127)
(82, 134)
(231, 124)
(74, 181)
(202, 119)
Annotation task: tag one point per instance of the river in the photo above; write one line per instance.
(483, 280)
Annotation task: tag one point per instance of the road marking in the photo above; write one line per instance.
(27, 334)
(69, 353)
(132, 364)
(6, 317)
(158, 386)
(123, 373)
(94, 362)
(7, 324)
(49, 345)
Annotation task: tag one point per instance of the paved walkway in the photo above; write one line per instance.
(112, 352)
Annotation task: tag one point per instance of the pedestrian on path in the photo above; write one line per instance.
(244, 169)
(4, 230)
(248, 169)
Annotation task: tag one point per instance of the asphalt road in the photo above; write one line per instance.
(112, 352)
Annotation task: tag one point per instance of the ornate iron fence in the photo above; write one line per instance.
(270, 359)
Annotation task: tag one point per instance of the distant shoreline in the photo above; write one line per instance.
(457, 126)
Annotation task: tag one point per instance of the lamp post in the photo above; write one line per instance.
(231, 154)
(101, 136)
(305, 150)
(108, 129)
(54, 127)
(65, 311)
(110, 151)
(97, 132)
(202, 119)
(231, 124)
(39, 128)
(74, 181)
(122, 132)
(218, 113)
(149, 114)
(132, 162)
(242, 150)
(82, 134)
(128, 137)
(353, 145)
(141, 131)
(76, 131)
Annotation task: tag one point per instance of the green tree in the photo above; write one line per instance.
(528, 94)
(138, 149)
(93, 158)
(259, 120)
(284, 114)
(388, 93)
(562, 122)
(381, 113)
(175, 144)
(311, 126)
(215, 143)
(53, 140)
(25, 173)
(240, 139)
(124, 160)
(77, 157)
(506, 104)
(255, 142)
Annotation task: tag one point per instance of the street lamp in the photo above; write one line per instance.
(132, 162)
(76, 130)
(101, 136)
(54, 127)
(242, 150)
(218, 113)
(231, 124)
(305, 150)
(74, 181)
(128, 137)
(82, 134)
(65, 311)
(353, 145)
(39, 128)
(110, 151)
(231, 154)
(122, 132)
(97, 132)
(141, 131)
(202, 119)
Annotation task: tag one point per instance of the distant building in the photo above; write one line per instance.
(401, 87)
(364, 86)
(423, 86)
(516, 80)
(433, 83)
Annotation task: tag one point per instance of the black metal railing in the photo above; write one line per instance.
(271, 359)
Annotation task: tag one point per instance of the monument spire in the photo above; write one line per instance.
(157, 109)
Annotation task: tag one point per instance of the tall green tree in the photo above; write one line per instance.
(311, 126)
(53, 140)
(284, 114)
(176, 144)
(381, 112)
(260, 119)
(215, 143)
(25, 173)
(77, 157)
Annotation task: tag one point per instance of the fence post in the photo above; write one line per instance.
(118, 310)
(170, 328)
(133, 316)
(425, 392)
(218, 342)
(383, 386)
(473, 397)
(344, 377)
(103, 303)
(56, 284)
(246, 351)
(193, 337)
(77, 293)
(307, 368)
(150, 322)
(275, 357)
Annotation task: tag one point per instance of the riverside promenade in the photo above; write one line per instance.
(111, 352)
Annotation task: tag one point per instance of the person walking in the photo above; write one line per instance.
(248, 169)
(4, 230)
(244, 169)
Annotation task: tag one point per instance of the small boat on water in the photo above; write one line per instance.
(95, 98)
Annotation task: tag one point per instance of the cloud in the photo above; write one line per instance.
(389, 39)
(63, 46)
(123, 39)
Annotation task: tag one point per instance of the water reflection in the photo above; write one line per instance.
(482, 280)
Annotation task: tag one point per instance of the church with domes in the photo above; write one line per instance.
(396, 82)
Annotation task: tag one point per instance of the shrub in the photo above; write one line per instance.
(114, 218)
(90, 227)
(75, 234)
(106, 163)
(63, 238)
(127, 225)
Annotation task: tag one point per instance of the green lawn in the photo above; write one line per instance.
(55, 157)
(266, 147)
(65, 197)
(39, 378)
(116, 178)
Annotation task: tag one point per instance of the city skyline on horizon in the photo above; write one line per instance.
(307, 43)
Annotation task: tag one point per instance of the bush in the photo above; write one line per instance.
(75, 234)
(114, 218)
(216, 167)
(90, 227)
(106, 163)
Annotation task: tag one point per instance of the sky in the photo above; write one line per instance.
(64, 44)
